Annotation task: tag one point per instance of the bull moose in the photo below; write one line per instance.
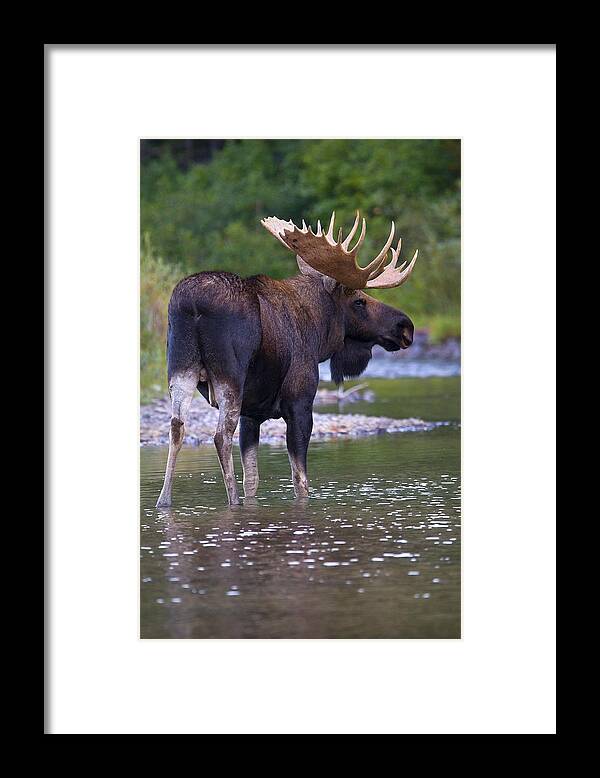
(252, 346)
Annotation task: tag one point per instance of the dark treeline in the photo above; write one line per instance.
(185, 152)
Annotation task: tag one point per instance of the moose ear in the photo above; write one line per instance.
(307, 270)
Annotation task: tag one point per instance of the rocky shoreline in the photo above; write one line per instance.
(422, 348)
(155, 417)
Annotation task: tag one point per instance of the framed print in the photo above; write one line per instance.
(284, 457)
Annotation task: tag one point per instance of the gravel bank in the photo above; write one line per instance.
(155, 417)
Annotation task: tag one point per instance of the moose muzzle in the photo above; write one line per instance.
(400, 336)
(405, 332)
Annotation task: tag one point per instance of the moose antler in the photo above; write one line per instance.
(336, 259)
(390, 275)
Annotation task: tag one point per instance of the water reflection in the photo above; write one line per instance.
(375, 552)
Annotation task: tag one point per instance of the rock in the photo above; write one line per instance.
(342, 396)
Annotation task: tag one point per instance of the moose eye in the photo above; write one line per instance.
(360, 303)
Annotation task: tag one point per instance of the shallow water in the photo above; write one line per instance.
(374, 553)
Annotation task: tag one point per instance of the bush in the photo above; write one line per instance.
(156, 284)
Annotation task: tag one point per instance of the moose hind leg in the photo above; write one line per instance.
(181, 388)
(299, 428)
(249, 438)
(229, 400)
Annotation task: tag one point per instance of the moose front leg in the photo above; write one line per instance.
(249, 439)
(299, 428)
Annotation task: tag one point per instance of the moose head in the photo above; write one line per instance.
(366, 321)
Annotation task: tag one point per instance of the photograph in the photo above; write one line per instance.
(300, 388)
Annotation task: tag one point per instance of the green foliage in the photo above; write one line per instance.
(207, 217)
(441, 327)
(157, 280)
